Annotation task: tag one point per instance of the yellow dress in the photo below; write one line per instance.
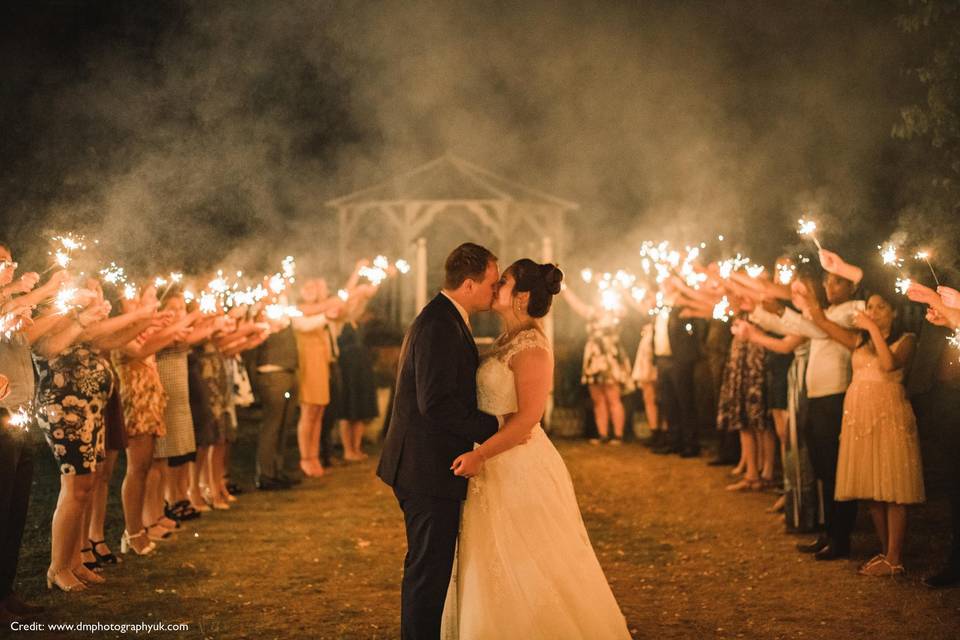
(313, 371)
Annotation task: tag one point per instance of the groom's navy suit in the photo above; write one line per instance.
(435, 419)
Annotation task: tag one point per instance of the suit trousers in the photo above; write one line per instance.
(277, 392)
(432, 527)
(16, 475)
(823, 423)
(676, 386)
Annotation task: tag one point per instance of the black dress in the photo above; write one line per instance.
(359, 391)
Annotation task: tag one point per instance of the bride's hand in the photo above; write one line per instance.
(467, 465)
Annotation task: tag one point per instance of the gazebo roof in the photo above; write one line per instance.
(449, 178)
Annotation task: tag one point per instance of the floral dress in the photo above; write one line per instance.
(742, 393)
(605, 361)
(142, 394)
(72, 391)
(210, 394)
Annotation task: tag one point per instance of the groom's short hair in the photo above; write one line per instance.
(469, 260)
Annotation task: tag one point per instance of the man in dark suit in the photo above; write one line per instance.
(676, 348)
(434, 420)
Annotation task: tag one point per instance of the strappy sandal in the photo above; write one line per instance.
(93, 565)
(126, 546)
(53, 579)
(745, 485)
(103, 558)
(869, 563)
(883, 568)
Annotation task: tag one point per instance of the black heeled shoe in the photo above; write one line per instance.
(95, 565)
(102, 558)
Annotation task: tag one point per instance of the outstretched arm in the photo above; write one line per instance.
(438, 397)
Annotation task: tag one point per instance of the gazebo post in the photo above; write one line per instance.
(421, 299)
(547, 253)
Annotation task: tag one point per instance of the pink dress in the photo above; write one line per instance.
(879, 452)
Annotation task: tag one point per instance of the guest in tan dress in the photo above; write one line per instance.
(879, 459)
(314, 355)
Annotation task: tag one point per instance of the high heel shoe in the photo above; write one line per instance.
(93, 565)
(55, 579)
(157, 537)
(86, 576)
(126, 547)
(103, 558)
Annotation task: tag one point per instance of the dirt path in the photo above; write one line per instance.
(685, 559)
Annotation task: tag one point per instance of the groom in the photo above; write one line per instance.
(434, 420)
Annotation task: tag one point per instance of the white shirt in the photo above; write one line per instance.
(828, 369)
(461, 310)
(661, 334)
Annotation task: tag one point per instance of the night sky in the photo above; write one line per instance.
(189, 133)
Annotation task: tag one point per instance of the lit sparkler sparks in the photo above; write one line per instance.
(903, 285)
(64, 299)
(289, 268)
(888, 253)
(587, 275)
(611, 300)
(402, 266)
(129, 291)
(343, 294)
(113, 274)
(20, 419)
(786, 273)
(954, 339)
(277, 283)
(925, 256)
(208, 303)
(722, 311)
(808, 228)
(754, 270)
(279, 311)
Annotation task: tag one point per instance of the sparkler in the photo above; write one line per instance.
(20, 419)
(754, 270)
(610, 300)
(175, 278)
(64, 299)
(289, 268)
(113, 274)
(129, 291)
(587, 275)
(375, 274)
(721, 310)
(786, 273)
(277, 283)
(888, 253)
(208, 303)
(925, 256)
(402, 266)
(343, 294)
(278, 311)
(63, 254)
(903, 285)
(638, 293)
(808, 228)
(954, 339)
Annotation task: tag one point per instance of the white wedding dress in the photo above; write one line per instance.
(525, 568)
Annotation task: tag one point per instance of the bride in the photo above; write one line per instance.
(525, 566)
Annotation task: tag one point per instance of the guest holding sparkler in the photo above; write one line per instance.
(827, 378)
(144, 404)
(16, 398)
(879, 457)
(934, 387)
(606, 366)
(74, 384)
(314, 357)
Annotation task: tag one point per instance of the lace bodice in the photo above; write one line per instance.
(496, 387)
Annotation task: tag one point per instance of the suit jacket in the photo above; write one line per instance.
(684, 344)
(435, 416)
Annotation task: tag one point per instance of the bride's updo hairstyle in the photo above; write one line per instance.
(541, 280)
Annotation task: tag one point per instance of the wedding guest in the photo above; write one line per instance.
(314, 356)
(933, 384)
(879, 458)
(716, 351)
(210, 410)
(606, 367)
(827, 378)
(743, 409)
(645, 377)
(275, 384)
(144, 406)
(359, 398)
(74, 382)
(676, 348)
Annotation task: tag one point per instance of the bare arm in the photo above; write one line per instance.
(847, 338)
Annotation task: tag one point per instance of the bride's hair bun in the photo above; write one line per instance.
(542, 281)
